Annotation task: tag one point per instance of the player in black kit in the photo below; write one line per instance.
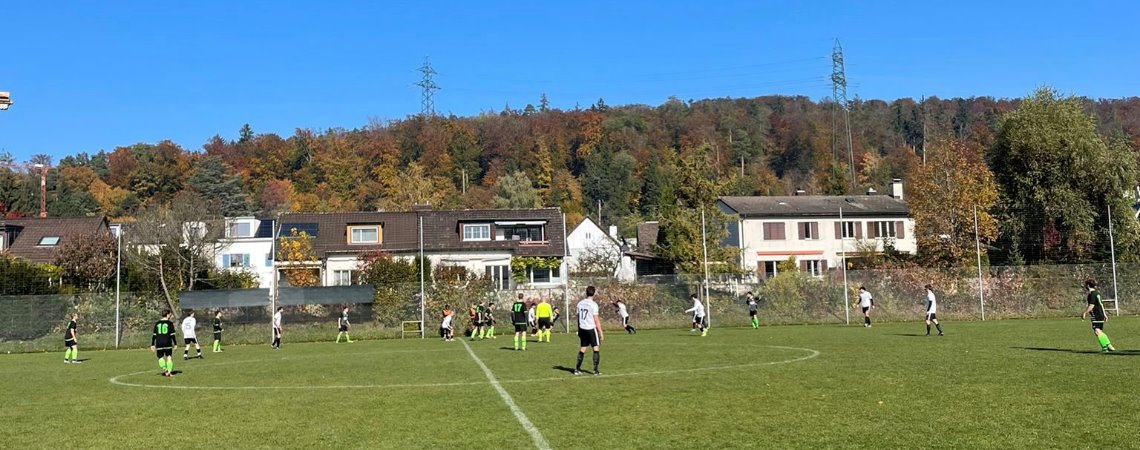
(218, 332)
(162, 343)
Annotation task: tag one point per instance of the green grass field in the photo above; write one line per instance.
(1003, 384)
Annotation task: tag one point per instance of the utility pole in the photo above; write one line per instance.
(923, 130)
(428, 87)
(43, 187)
(839, 94)
(599, 213)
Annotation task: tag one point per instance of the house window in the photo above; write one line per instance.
(814, 267)
(49, 241)
(268, 260)
(770, 268)
(500, 276)
(588, 237)
(519, 233)
(885, 229)
(235, 260)
(364, 235)
(542, 275)
(809, 230)
(774, 231)
(848, 230)
(477, 232)
(342, 278)
(241, 230)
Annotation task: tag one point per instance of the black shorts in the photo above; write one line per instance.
(189, 341)
(477, 323)
(1098, 326)
(751, 313)
(442, 331)
(276, 332)
(932, 316)
(625, 321)
(520, 328)
(544, 323)
(217, 335)
(343, 328)
(163, 352)
(68, 343)
(866, 308)
(588, 338)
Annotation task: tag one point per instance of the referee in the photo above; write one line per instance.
(590, 334)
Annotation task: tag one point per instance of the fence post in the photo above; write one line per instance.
(1112, 250)
(981, 281)
(843, 262)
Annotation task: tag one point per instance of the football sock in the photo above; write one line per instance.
(338, 337)
(866, 320)
(516, 342)
(939, 327)
(523, 339)
(216, 345)
(928, 329)
(482, 333)
(1103, 339)
(67, 355)
(597, 356)
(578, 366)
(162, 364)
(170, 365)
(347, 338)
(755, 323)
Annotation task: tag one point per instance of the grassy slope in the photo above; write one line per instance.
(983, 385)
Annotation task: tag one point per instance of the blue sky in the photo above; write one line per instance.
(87, 76)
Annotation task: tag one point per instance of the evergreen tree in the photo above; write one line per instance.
(221, 190)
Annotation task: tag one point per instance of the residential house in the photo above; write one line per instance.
(248, 246)
(817, 231)
(37, 239)
(588, 242)
(645, 259)
(483, 241)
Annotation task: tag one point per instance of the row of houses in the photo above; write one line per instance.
(816, 231)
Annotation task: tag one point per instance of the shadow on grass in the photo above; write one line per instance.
(508, 348)
(908, 334)
(1081, 352)
(569, 370)
(175, 372)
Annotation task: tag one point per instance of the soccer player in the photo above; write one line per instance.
(557, 315)
(71, 341)
(471, 321)
(698, 311)
(750, 300)
(532, 318)
(590, 334)
(162, 343)
(932, 311)
(218, 332)
(445, 330)
(543, 314)
(479, 332)
(342, 326)
(277, 329)
(190, 335)
(1096, 312)
(866, 302)
(624, 316)
(518, 318)
(489, 319)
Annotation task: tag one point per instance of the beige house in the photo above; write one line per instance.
(818, 231)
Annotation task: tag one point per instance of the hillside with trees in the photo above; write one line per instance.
(635, 163)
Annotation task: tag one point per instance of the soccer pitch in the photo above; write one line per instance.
(997, 384)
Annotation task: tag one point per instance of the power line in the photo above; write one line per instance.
(428, 87)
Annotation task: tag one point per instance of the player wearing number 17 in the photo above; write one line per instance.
(519, 319)
(162, 343)
(590, 333)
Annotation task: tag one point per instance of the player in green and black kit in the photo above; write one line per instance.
(1096, 313)
(218, 332)
(519, 319)
(162, 343)
(71, 341)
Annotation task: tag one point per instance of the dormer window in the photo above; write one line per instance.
(520, 231)
(241, 230)
(49, 241)
(364, 234)
(477, 232)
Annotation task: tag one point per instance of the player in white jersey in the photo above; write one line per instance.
(590, 333)
(190, 335)
(932, 311)
(624, 316)
(698, 311)
(277, 328)
(445, 330)
(866, 303)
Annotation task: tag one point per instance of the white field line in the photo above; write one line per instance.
(535, 435)
(118, 380)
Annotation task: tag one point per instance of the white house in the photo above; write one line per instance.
(588, 241)
(248, 246)
(818, 231)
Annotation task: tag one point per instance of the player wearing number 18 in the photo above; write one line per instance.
(162, 343)
(519, 319)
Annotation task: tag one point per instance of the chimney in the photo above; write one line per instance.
(421, 207)
(872, 191)
(897, 189)
(613, 232)
(800, 192)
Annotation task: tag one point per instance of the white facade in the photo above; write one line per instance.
(241, 250)
(818, 243)
(589, 241)
(339, 270)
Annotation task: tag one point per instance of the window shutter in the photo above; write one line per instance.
(872, 231)
(823, 266)
(839, 230)
(760, 270)
(781, 229)
(767, 232)
(245, 260)
(803, 266)
(858, 230)
(899, 229)
(814, 230)
(802, 228)
(225, 260)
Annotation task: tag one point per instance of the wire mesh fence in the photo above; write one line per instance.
(37, 322)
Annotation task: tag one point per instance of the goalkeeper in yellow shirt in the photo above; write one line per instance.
(544, 314)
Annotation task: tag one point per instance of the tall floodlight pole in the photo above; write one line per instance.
(843, 261)
(1112, 250)
(118, 281)
(565, 274)
(705, 253)
(423, 304)
(273, 285)
(981, 281)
